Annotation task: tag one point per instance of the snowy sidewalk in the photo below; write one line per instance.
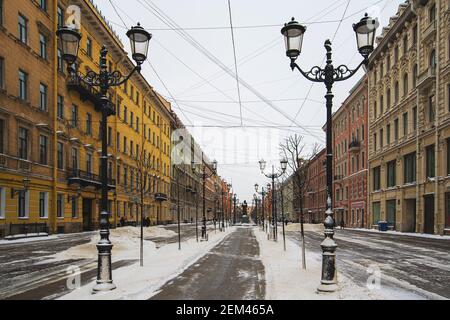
(160, 265)
(285, 280)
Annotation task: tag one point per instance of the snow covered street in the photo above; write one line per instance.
(238, 264)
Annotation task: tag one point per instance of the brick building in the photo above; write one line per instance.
(350, 158)
(316, 196)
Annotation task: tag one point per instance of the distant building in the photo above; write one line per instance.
(316, 195)
(350, 159)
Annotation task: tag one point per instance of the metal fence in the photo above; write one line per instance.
(26, 229)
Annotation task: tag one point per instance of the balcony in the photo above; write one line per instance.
(87, 179)
(160, 196)
(427, 78)
(338, 177)
(354, 146)
(430, 31)
(88, 93)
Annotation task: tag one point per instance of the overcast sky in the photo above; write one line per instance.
(238, 135)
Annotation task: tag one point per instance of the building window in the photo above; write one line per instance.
(60, 205)
(125, 114)
(375, 142)
(430, 161)
(388, 134)
(43, 5)
(60, 107)
(381, 139)
(131, 119)
(2, 135)
(375, 109)
(109, 136)
(74, 119)
(405, 123)
(60, 61)
(381, 104)
(125, 145)
(2, 73)
(388, 99)
(23, 143)
(2, 202)
(42, 97)
(43, 145)
(74, 159)
(89, 47)
(396, 92)
(376, 178)
(118, 141)
(1, 12)
(125, 176)
(396, 130)
(23, 85)
(23, 204)
(118, 174)
(89, 163)
(74, 207)
(88, 124)
(395, 54)
(431, 108)
(60, 17)
(137, 124)
(60, 155)
(432, 13)
(42, 46)
(390, 210)
(390, 174)
(415, 34)
(23, 29)
(405, 85)
(43, 204)
(447, 210)
(409, 168)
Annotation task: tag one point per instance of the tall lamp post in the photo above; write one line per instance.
(70, 42)
(365, 35)
(256, 200)
(262, 194)
(204, 175)
(274, 175)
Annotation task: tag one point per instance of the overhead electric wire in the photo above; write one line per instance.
(187, 37)
(235, 60)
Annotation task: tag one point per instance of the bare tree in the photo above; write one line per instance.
(293, 149)
(144, 165)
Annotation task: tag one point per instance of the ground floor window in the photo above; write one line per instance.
(376, 212)
(43, 204)
(60, 205)
(390, 209)
(22, 204)
(74, 207)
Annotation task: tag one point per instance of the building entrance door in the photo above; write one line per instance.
(87, 214)
(428, 223)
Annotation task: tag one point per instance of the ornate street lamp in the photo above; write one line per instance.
(69, 43)
(26, 185)
(204, 175)
(274, 175)
(293, 34)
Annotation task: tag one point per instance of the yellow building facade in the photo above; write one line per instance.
(409, 117)
(49, 129)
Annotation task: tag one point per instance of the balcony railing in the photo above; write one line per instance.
(87, 92)
(354, 146)
(85, 179)
(160, 196)
(426, 78)
(429, 31)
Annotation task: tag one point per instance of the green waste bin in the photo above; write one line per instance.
(382, 226)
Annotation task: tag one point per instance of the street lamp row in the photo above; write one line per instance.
(293, 33)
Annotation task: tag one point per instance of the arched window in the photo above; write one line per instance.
(405, 84)
(432, 61)
(388, 99)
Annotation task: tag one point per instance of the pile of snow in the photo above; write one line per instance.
(306, 226)
(286, 280)
(28, 239)
(160, 266)
(409, 234)
(125, 240)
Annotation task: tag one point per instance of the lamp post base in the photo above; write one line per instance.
(327, 287)
(103, 287)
